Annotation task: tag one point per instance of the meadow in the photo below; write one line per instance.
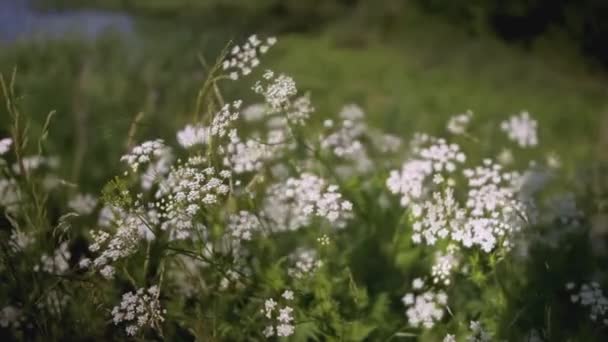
(402, 182)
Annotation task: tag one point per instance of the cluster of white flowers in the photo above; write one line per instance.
(58, 263)
(157, 169)
(247, 156)
(243, 225)
(243, 59)
(139, 310)
(223, 119)
(83, 204)
(458, 124)
(254, 112)
(143, 153)
(428, 162)
(492, 208)
(11, 317)
(592, 297)
(305, 264)
(5, 145)
(35, 162)
(478, 333)
(444, 265)
(300, 110)
(183, 193)
(282, 320)
(131, 228)
(345, 141)
(277, 90)
(192, 135)
(449, 338)
(490, 213)
(521, 129)
(424, 308)
(293, 203)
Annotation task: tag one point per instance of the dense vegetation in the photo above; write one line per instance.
(304, 197)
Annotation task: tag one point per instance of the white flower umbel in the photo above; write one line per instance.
(436, 158)
(280, 316)
(458, 123)
(345, 141)
(130, 229)
(157, 169)
(247, 156)
(83, 204)
(424, 308)
(444, 265)
(139, 310)
(277, 90)
(293, 203)
(478, 333)
(5, 145)
(592, 297)
(305, 264)
(300, 110)
(143, 153)
(243, 225)
(58, 263)
(521, 129)
(449, 338)
(222, 120)
(184, 192)
(489, 216)
(192, 135)
(243, 59)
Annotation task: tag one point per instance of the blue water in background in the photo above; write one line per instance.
(19, 21)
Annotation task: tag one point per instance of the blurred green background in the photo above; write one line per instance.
(409, 64)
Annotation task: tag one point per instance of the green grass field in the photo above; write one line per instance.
(410, 78)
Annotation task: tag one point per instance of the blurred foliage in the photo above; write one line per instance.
(583, 21)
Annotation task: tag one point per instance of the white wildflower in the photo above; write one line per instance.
(5, 145)
(254, 112)
(438, 157)
(424, 309)
(243, 225)
(458, 124)
(83, 204)
(277, 90)
(521, 129)
(444, 265)
(449, 338)
(293, 203)
(280, 316)
(592, 297)
(223, 119)
(139, 310)
(192, 135)
(478, 334)
(58, 263)
(305, 264)
(243, 59)
(288, 295)
(143, 153)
